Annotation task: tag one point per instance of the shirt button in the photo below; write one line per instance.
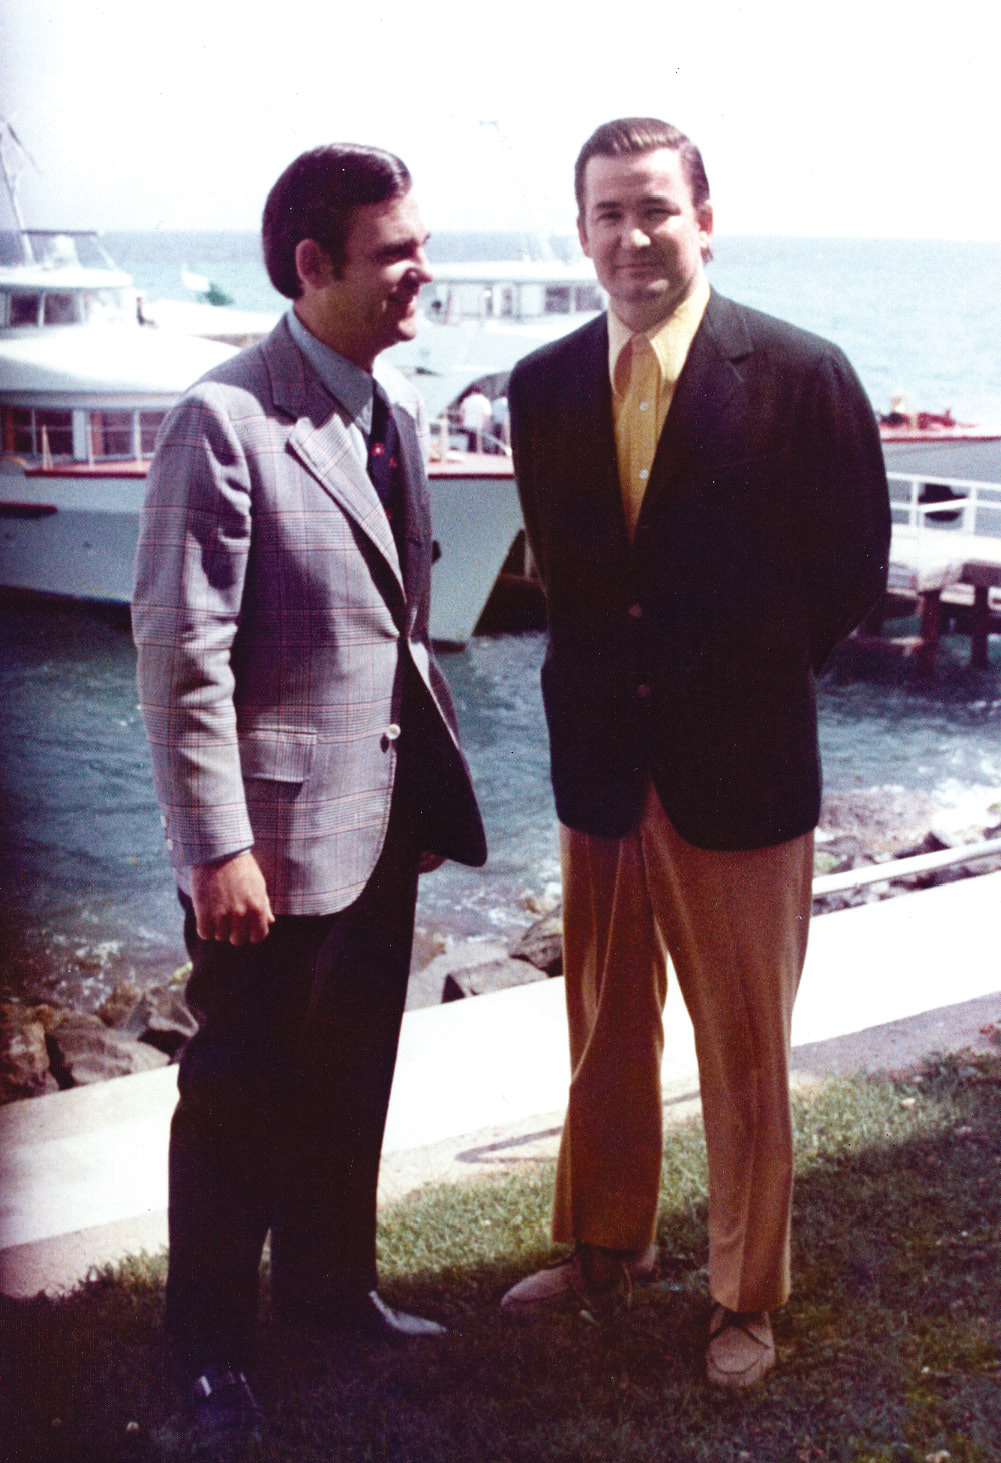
(643, 692)
(392, 732)
(644, 405)
(636, 611)
(644, 474)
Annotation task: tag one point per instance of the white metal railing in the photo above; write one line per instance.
(977, 504)
(443, 429)
(921, 863)
(936, 545)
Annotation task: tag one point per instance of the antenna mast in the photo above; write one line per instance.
(12, 150)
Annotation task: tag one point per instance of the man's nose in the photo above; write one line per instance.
(636, 238)
(422, 268)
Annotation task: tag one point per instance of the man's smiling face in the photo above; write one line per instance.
(644, 232)
(370, 303)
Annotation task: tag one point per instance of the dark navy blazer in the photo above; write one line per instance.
(689, 656)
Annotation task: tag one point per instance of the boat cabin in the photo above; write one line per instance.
(511, 291)
(59, 278)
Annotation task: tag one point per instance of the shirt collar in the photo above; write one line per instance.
(670, 339)
(347, 383)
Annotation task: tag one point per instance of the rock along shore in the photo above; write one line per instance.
(46, 1048)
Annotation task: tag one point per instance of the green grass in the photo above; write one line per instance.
(888, 1351)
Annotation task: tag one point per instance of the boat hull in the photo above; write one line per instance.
(74, 536)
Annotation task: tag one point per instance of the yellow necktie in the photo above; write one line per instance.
(637, 379)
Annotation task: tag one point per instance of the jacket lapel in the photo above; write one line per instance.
(320, 440)
(709, 393)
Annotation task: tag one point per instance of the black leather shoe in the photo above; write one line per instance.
(220, 1420)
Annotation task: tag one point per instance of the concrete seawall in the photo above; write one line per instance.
(482, 1082)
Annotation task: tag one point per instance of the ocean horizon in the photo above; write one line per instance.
(916, 317)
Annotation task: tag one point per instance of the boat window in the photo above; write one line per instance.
(149, 424)
(17, 430)
(559, 299)
(54, 251)
(54, 433)
(24, 307)
(57, 250)
(588, 297)
(30, 433)
(104, 307)
(91, 253)
(11, 247)
(60, 308)
(506, 301)
(111, 434)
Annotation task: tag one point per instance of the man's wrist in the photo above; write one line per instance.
(223, 858)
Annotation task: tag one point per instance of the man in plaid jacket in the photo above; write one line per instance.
(306, 761)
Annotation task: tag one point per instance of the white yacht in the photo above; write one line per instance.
(84, 386)
(85, 382)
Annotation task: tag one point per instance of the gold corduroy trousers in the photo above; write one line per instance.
(734, 926)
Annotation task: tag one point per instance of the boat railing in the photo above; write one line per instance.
(444, 429)
(927, 510)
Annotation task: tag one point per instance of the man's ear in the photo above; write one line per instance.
(704, 214)
(313, 264)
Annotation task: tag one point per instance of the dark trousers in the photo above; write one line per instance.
(283, 1097)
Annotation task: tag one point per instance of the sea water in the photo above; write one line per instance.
(86, 896)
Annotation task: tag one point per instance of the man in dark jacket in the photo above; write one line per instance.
(705, 497)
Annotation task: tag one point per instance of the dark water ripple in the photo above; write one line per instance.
(84, 884)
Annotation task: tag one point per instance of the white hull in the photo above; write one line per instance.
(75, 537)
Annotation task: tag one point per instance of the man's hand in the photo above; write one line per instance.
(429, 862)
(231, 900)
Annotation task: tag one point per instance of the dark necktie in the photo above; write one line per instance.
(384, 452)
(384, 466)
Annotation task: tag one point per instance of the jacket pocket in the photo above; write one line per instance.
(275, 754)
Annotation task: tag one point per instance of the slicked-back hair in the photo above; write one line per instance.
(636, 135)
(314, 199)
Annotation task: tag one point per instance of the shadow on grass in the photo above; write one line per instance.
(888, 1350)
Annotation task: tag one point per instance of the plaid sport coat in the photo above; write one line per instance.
(284, 660)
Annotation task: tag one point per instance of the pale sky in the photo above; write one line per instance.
(864, 118)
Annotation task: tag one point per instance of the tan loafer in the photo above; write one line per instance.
(741, 1349)
(589, 1273)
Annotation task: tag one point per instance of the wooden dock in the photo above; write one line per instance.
(945, 558)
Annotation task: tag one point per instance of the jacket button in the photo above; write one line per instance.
(170, 845)
(636, 611)
(392, 732)
(643, 692)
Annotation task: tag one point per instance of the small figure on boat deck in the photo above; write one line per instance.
(475, 416)
(705, 498)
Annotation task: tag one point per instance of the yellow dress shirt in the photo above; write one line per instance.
(644, 370)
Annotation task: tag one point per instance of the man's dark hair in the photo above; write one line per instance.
(633, 135)
(314, 199)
